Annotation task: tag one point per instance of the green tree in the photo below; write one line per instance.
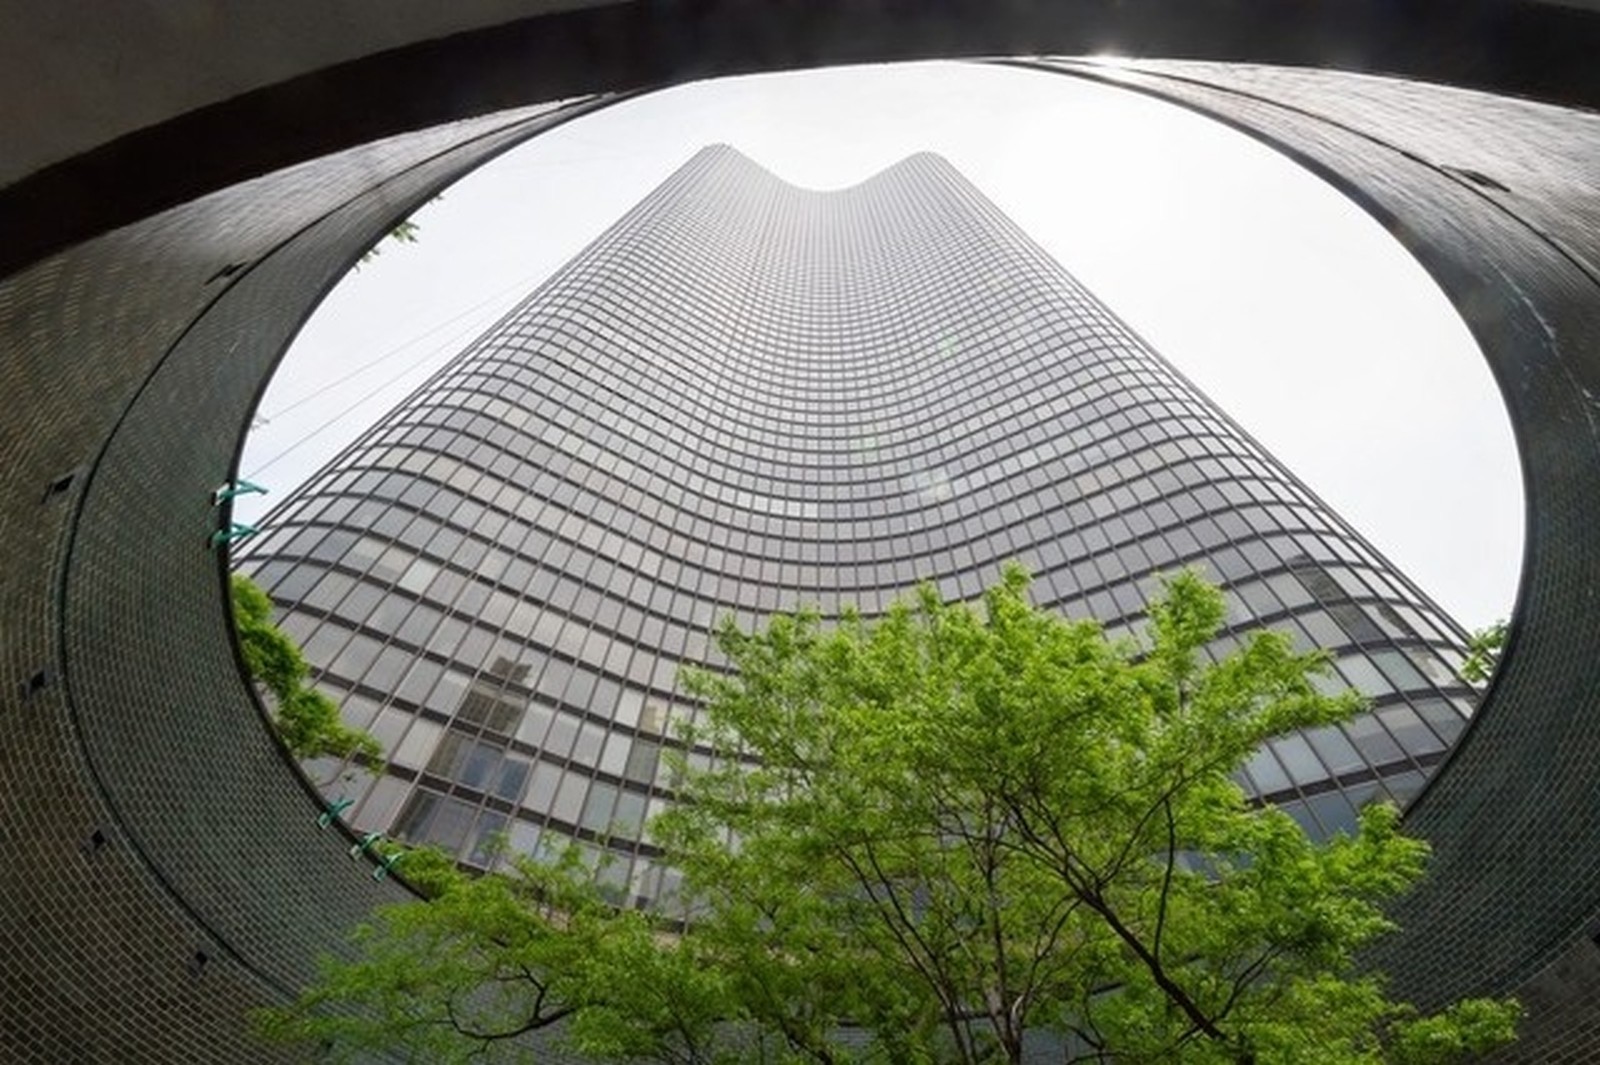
(492, 968)
(310, 725)
(949, 829)
(307, 720)
(404, 232)
(271, 658)
(1483, 653)
(1003, 816)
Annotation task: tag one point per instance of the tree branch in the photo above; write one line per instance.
(1175, 992)
(1166, 876)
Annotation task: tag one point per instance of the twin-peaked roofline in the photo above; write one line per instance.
(728, 155)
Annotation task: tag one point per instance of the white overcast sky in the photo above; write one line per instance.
(1287, 304)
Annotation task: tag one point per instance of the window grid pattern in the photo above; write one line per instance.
(745, 397)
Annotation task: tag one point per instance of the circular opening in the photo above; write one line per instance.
(1286, 303)
(1299, 316)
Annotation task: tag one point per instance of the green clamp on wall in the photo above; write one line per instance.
(387, 864)
(331, 814)
(368, 842)
(233, 532)
(227, 491)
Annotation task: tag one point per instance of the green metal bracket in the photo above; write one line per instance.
(369, 841)
(387, 864)
(331, 814)
(227, 491)
(232, 533)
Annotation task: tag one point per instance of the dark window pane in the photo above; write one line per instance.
(1407, 727)
(1336, 814)
(642, 761)
(1264, 770)
(448, 829)
(509, 781)
(449, 756)
(480, 763)
(1445, 719)
(415, 815)
(1295, 754)
(1370, 738)
(487, 838)
(1402, 786)
(1336, 751)
(597, 808)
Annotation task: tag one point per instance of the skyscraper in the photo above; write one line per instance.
(744, 397)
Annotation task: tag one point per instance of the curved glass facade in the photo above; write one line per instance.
(745, 397)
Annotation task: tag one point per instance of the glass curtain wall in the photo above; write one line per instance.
(745, 397)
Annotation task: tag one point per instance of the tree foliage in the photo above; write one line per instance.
(271, 658)
(1483, 653)
(307, 720)
(493, 968)
(1012, 817)
(404, 232)
(949, 832)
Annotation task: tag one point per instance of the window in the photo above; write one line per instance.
(1335, 749)
(418, 745)
(1265, 773)
(496, 709)
(509, 781)
(1372, 740)
(1296, 755)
